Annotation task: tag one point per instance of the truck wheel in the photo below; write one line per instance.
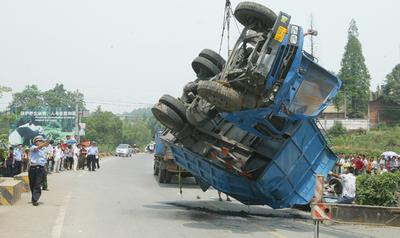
(258, 16)
(155, 168)
(204, 68)
(168, 117)
(214, 57)
(168, 176)
(175, 105)
(224, 98)
(161, 175)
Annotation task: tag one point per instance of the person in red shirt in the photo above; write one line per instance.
(358, 165)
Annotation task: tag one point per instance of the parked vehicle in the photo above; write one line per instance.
(246, 125)
(124, 150)
(164, 165)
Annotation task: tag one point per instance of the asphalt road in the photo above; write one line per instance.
(123, 199)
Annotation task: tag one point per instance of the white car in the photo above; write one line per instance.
(124, 150)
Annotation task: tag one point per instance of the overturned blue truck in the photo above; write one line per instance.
(246, 126)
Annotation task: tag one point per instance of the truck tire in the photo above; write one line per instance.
(258, 16)
(168, 117)
(224, 98)
(161, 175)
(168, 176)
(155, 168)
(204, 68)
(175, 105)
(214, 57)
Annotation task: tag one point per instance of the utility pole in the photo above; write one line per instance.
(77, 100)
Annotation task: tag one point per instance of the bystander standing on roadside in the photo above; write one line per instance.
(63, 162)
(375, 166)
(36, 170)
(10, 162)
(18, 159)
(82, 156)
(58, 155)
(75, 156)
(25, 160)
(49, 154)
(91, 156)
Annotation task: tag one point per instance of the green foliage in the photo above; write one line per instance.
(355, 76)
(60, 97)
(378, 190)
(337, 129)
(371, 143)
(4, 90)
(29, 98)
(109, 130)
(32, 97)
(104, 127)
(391, 96)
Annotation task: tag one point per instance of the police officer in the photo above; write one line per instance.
(36, 170)
(93, 151)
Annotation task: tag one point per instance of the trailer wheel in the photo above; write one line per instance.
(214, 57)
(161, 175)
(204, 68)
(175, 105)
(255, 15)
(224, 98)
(168, 117)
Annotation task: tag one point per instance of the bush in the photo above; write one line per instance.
(378, 190)
(337, 129)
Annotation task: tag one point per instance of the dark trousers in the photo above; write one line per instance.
(70, 162)
(17, 167)
(35, 175)
(97, 163)
(10, 168)
(91, 162)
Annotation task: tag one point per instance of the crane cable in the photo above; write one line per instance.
(228, 13)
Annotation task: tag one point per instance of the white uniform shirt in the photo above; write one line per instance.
(58, 153)
(349, 185)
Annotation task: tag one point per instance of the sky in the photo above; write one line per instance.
(124, 54)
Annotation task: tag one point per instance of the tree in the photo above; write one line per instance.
(60, 97)
(104, 127)
(391, 95)
(31, 97)
(4, 90)
(355, 76)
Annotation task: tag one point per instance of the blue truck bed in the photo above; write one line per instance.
(286, 181)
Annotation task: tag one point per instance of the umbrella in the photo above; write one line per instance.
(71, 141)
(389, 154)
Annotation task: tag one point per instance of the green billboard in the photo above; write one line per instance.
(52, 123)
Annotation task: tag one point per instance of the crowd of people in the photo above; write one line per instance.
(61, 156)
(367, 165)
(352, 165)
(47, 156)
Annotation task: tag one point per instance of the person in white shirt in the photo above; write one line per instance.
(349, 186)
(75, 153)
(58, 154)
(375, 166)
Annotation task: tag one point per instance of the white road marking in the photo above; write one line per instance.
(57, 228)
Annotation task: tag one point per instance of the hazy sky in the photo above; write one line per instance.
(125, 54)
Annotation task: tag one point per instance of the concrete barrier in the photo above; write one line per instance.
(359, 214)
(23, 177)
(10, 191)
